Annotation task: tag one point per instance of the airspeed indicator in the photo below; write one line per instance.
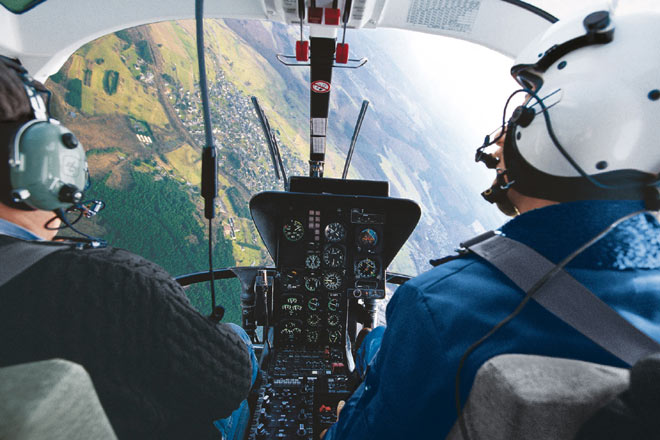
(293, 230)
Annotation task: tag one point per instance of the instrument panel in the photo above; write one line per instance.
(331, 247)
(325, 257)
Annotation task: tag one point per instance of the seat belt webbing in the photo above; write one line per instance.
(565, 297)
(17, 257)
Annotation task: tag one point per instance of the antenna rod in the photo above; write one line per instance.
(356, 132)
(209, 155)
(273, 147)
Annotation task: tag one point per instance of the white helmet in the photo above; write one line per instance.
(591, 127)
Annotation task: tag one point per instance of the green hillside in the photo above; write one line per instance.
(131, 97)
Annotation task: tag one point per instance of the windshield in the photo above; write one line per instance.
(132, 99)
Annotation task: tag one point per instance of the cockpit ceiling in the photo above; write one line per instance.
(48, 32)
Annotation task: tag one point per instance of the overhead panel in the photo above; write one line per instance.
(497, 24)
(37, 36)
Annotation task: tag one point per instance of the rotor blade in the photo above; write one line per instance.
(356, 132)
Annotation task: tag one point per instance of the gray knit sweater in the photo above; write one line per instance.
(161, 370)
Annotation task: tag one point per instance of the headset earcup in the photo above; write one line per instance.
(8, 131)
(48, 172)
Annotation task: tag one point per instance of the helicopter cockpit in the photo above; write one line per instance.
(331, 240)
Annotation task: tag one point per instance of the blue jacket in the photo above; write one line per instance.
(408, 392)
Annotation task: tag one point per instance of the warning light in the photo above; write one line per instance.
(324, 408)
(315, 15)
(332, 16)
(302, 50)
(341, 54)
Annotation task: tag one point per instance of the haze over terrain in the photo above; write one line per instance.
(132, 99)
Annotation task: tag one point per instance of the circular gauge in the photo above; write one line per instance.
(291, 280)
(335, 232)
(333, 256)
(334, 336)
(333, 320)
(366, 268)
(313, 261)
(312, 336)
(333, 304)
(313, 304)
(312, 283)
(315, 320)
(291, 305)
(293, 230)
(332, 281)
(368, 238)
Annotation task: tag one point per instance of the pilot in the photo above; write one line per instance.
(580, 154)
(160, 369)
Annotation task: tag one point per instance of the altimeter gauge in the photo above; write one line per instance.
(333, 256)
(335, 232)
(313, 261)
(332, 281)
(293, 230)
(366, 268)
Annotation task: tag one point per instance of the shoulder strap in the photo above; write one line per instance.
(19, 256)
(564, 296)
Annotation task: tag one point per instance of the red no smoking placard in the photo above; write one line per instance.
(320, 86)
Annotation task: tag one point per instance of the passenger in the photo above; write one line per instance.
(160, 369)
(600, 101)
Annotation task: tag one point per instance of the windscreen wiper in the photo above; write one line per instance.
(273, 147)
(356, 132)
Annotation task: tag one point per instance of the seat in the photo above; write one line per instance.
(527, 397)
(53, 399)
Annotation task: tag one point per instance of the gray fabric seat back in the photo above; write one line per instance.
(52, 399)
(526, 397)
